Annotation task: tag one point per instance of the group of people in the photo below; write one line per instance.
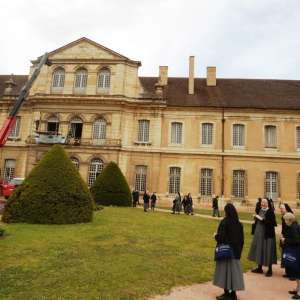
(186, 203)
(148, 199)
(230, 241)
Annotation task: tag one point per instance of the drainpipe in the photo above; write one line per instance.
(222, 153)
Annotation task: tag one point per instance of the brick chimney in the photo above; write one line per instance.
(211, 79)
(191, 75)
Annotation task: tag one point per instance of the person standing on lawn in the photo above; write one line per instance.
(153, 201)
(146, 199)
(135, 197)
(263, 246)
(215, 206)
(228, 271)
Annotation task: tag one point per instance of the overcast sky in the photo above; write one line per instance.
(242, 38)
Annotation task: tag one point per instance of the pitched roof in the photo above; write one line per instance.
(231, 93)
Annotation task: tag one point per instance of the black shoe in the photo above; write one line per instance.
(292, 279)
(233, 296)
(257, 270)
(269, 273)
(293, 292)
(296, 296)
(224, 296)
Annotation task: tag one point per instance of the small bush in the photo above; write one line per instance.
(111, 187)
(53, 192)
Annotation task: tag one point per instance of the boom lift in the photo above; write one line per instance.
(12, 117)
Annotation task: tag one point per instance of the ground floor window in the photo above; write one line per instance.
(272, 185)
(140, 178)
(238, 183)
(174, 180)
(9, 169)
(75, 161)
(95, 168)
(206, 182)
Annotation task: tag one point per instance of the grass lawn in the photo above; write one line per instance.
(124, 254)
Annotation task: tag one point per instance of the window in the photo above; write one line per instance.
(272, 185)
(207, 134)
(99, 129)
(76, 128)
(206, 182)
(58, 79)
(176, 133)
(16, 129)
(238, 183)
(53, 124)
(143, 133)
(96, 167)
(298, 186)
(298, 137)
(81, 79)
(238, 135)
(9, 169)
(270, 136)
(174, 180)
(75, 161)
(103, 80)
(140, 178)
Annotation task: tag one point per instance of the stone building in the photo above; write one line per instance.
(234, 137)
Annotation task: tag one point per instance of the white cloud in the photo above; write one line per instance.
(243, 38)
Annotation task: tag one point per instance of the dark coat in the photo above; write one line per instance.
(292, 235)
(146, 198)
(270, 224)
(135, 196)
(215, 204)
(232, 233)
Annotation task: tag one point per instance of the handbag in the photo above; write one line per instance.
(223, 251)
(291, 258)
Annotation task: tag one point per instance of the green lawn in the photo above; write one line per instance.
(124, 254)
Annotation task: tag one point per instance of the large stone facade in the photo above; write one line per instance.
(239, 162)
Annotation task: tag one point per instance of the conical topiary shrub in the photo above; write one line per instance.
(111, 187)
(53, 192)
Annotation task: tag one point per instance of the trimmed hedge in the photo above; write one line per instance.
(111, 187)
(53, 193)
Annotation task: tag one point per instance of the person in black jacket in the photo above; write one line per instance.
(292, 240)
(263, 246)
(228, 272)
(284, 208)
(215, 206)
(146, 199)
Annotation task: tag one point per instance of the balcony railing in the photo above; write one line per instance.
(55, 138)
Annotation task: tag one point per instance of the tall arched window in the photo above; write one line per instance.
(207, 134)
(238, 135)
(270, 136)
(80, 80)
(76, 128)
(239, 183)
(99, 130)
(140, 178)
(143, 131)
(58, 79)
(75, 161)
(53, 124)
(103, 84)
(174, 180)
(272, 185)
(9, 169)
(206, 182)
(95, 168)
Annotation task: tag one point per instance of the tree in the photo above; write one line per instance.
(53, 192)
(111, 187)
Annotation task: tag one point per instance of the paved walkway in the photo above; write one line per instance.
(258, 287)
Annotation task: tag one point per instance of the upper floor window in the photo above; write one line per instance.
(95, 168)
(298, 137)
(174, 180)
(238, 183)
(80, 79)
(238, 135)
(176, 133)
(99, 129)
(53, 124)
(270, 136)
(272, 185)
(140, 178)
(9, 169)
(58, 79)
(75, 161)
(75, 130)
(15, 132)
(103, 84)
(206, 182)
(207, 134)
(143, 131)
